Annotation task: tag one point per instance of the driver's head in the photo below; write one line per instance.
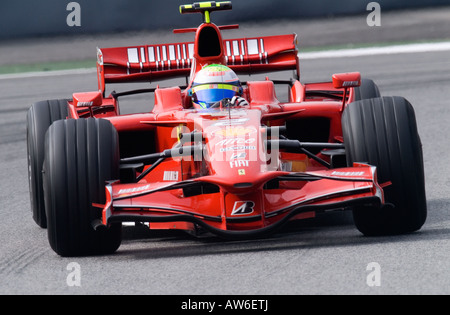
(214, 83)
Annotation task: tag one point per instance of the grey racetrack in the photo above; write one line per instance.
(323, 256)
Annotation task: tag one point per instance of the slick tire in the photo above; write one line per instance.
(368, 89)
(383, 132)
(39, 118)
(80, 156)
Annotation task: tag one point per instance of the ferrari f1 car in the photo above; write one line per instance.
(220, 155)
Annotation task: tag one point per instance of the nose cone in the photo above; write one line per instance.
(235, 149)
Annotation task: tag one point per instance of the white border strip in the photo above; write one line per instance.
(371, 51)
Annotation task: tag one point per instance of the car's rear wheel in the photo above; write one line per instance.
(39, 118)
(81, 155)
(368, 89)
(383, 132)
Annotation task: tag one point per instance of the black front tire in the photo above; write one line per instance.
(81, 155)
(383, 132)
(39, 118)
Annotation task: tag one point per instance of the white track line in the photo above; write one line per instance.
(371, 51)
(41, 74)
(339, 53)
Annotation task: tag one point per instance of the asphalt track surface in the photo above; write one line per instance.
(322, 256)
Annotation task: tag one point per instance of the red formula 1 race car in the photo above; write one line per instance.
(220, 155)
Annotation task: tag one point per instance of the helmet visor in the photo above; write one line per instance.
(208, 94)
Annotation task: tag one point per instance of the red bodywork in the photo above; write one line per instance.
(235, 184)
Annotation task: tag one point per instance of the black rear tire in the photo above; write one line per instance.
(81, 155)
(383, 132)
(39, 118)
(368, 89)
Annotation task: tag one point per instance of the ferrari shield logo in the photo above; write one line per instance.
(243, 207)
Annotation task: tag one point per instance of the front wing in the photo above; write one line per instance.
(244, 211)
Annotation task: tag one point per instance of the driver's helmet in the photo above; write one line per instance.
(214, 83)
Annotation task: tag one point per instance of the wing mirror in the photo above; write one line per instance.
(89, 99)
(346, 80)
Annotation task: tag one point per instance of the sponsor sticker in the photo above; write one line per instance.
(243, 207)
(133, 190)
(235, 141)
(239, 163)
(349, 174)
(233, 132)
(170, 176)
(85, 104)
(241, 155)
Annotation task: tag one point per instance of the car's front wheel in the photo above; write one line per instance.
(383, 132)
(81, 155)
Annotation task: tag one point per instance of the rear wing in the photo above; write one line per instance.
(157, 62)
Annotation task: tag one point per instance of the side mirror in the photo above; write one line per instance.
(346, 80)
(87, 99)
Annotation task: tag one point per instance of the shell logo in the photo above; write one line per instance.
(231, 132)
